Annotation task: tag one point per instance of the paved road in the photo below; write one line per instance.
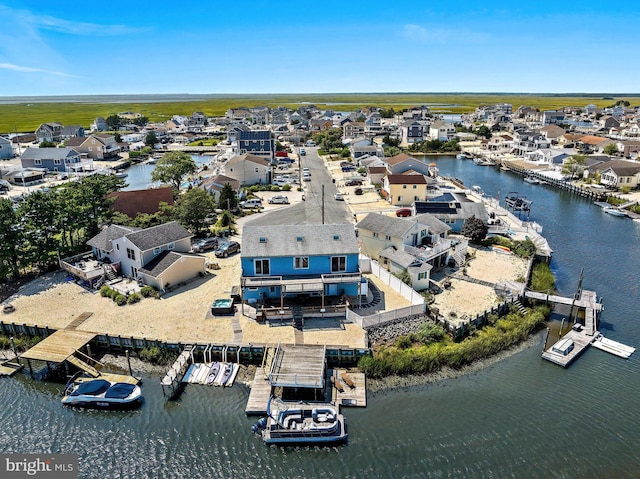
(310, 211)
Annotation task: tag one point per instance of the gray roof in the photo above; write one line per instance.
(296, 240)
(155, 236)
(48, 153)
(398, 257)
(163, 261)
(102, 240)
(255, 135)
(388, 225)
(436, 226)
(421, 268)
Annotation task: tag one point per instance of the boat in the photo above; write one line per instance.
(102, 394)
(482, 161)
(213, 372)
(532, 180)
(501, 249)
(477, 189)
(614, 211)
(228, 370)
(296, 423)
(464, 156)
(602, 204)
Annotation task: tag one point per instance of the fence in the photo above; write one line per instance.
(396, 284)
(379, 319)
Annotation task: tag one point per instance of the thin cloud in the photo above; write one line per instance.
(20, 68)
(417, 33)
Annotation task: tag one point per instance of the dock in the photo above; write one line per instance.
(567, 349)
(259, 394)
(613, 347)
(349, 389)
(172, 381)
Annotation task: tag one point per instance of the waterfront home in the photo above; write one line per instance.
(373, 124)
(6, 149)
(71, 131)
(403, 190)
(352, 130)
(628, 148)
(365, 147)
(294, 262)
(440, 130)
(414, 245)
(402, 163)
(26, 176)
(592, 144)
(412, 131)
(452, 208)
(97, 146)
(58, 160)
(548, 156)
(527, 140)
(49, 132)
(99, 124)
(552, 132)
(249, 169)
(552, 117)
(158, 256)
(619, 173)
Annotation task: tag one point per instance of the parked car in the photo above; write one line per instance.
(348, 168)
(338, 197)
(252, 203)
(353, 183)
(306, 170)
(225, 249)
(205, 245)
(403, 212)
(358, 191)
(302, 152)
(279, 200)
(306, 177)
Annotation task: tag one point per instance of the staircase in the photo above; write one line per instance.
(460, 257)
(109, 272)
(80, 364)
(518, 305)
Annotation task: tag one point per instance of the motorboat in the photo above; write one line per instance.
(301, 423)
(99, 393)
(614, 211)
(532, 180)
(482, 161)
(464, 156)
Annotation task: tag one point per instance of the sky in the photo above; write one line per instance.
(197, 47)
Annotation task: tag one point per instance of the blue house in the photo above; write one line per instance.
(299, 262)
(259, 143)
(54, 159)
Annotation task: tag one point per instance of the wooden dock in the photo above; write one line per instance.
(349, 389)
(259, 395)
(581, 341)
(9, 368)
(587, 299)
(59, 346)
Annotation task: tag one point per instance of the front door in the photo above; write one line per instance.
(134, 272)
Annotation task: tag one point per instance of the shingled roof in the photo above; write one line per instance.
(155, 236)
(162, 262)
(102, 240)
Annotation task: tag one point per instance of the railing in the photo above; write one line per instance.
(378, 319)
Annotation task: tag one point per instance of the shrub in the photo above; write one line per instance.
(147, 291)
(105, 291)
(120, 299)
(155, 355)
(134, 298)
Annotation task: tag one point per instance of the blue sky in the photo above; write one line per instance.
(69, 48)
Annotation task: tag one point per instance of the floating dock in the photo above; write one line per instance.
(613, 347)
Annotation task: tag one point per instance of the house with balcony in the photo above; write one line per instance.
(440, 130)
(157, 256)
(49, 132)
(452, 208)
(55, 160)
(352, 130)
(403, 190)
(98, 146)
(256, 142)
(415, 245)
(315, 265)
(412, 131)
(552, 117)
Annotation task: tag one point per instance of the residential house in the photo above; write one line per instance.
(592, 144)
(607, 122)
(49, 132)
(352, 130)
(249, 169)
(452, 208)
(282, 262)
(402, 162)
(552, 132)
(63, 160)
(157, 256)
(502, 143)
(440, 130)
(362, 148)
(548, 156)
(134, 202)
(412, 131)
(26, 176)
(99, 124)
(619, 173)
(320, 125)
(403, 190)
(632, 130)
(71, 131)
(628, 148)
(376, 173)
(215, 184)
(373, 124)
(97, 146)
(415, 245)
(256, 142)
(527, 140)
(552, 117)
(6, 149)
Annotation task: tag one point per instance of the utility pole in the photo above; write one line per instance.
(322, 204)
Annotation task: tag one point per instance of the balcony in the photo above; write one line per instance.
(86, 267)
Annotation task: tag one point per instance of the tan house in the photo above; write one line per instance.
(249, 169)
(98, 146)
(592, 144)
(403, 190)
(619, 173)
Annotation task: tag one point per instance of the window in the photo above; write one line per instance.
(375, 235)
(301, 262)
(404, 187)
(90, 148)
(338, 264)
(399, 198)
(422, 275)
(415, 186)
(388, 238)
(170, 246)
(131, 254)
(156, 251)
(262, 266)
(57, 162)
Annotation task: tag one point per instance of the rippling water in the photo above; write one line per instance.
(520, 418)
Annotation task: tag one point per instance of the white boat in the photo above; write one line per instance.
(463, 156)
(294, 423)
(614, 211)
(482, 161)
(102, 394)
(532, 180)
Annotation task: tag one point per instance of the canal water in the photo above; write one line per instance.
(519, 418)
(139, 175)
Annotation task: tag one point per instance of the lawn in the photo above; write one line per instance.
(25, 117)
